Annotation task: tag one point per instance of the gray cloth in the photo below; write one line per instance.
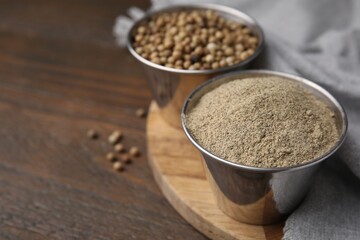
(319, 40)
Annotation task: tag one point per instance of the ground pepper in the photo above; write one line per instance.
(263, 122)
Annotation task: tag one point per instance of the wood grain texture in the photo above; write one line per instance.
(61, 74)
(178, 170)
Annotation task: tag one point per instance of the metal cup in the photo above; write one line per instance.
(261, 195)
(171, 86)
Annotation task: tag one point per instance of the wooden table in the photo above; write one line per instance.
(60, 75)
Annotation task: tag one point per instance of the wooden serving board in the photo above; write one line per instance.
(178, 171)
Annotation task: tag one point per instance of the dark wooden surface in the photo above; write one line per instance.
(61, 74)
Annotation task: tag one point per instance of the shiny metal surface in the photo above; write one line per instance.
(261, 195)
(171, 86)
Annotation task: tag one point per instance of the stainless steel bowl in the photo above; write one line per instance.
(261, 195)
(171, 86)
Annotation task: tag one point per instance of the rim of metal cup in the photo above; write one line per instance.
(247, 20)
(304, 81)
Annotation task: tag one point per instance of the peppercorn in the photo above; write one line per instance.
(194, 40)
(134, 151)
(186, 64)
(119, 148)
(111, 157)
(118, 166)
(92, 134)
(125, 158)
(115, 137)
(214, 65)
(140, 113)
(194, 58)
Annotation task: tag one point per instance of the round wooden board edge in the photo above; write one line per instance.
(183, 209)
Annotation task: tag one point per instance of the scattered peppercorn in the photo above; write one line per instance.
(111, 157)
(122, 157)
(119, 148)
(194, 40)
(140, 113)
(115, 137)
(118, 166)
(92, 134)
(134, 151)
